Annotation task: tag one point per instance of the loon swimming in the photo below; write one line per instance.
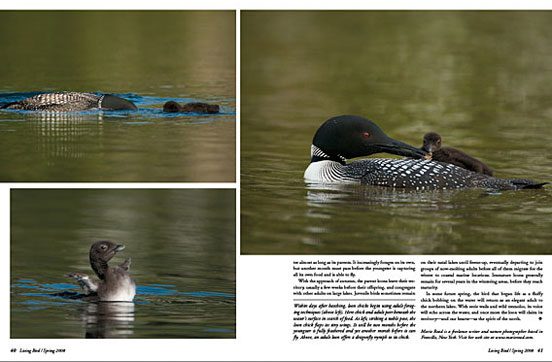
(193, 107)
(70, 102)
(114, 284)
(77, 101)
(344, 137)
(432, 144)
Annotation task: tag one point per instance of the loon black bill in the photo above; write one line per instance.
(401, 149)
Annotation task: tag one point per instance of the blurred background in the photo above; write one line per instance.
(479, 78)
(148, 57)
(182, 245)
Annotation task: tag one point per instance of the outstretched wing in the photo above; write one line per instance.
(88, 285)
(126, 264)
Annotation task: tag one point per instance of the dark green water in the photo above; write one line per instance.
(481, 79)
(182, 245)
(184, 55)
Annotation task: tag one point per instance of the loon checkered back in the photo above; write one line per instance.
(344, 137)
(70, 102)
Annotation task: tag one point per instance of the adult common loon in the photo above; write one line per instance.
(70, 102)
(76, 101)
(344, 137)
(432, 144)
(114, 284)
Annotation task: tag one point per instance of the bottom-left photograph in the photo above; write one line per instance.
(123, 263)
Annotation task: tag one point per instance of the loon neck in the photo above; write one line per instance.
(327, 171)
(99, 266)
(318, 155)
(100, 101)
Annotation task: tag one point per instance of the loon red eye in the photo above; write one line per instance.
(365, 134)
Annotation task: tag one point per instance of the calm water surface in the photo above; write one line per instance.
(148, 57)
(182, 244)
(481, 79)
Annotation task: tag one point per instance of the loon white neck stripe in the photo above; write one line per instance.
(328, 171)
(100, 101)
(315, 151)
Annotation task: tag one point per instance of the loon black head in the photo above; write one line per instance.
(100, 253)
(112, 102)
(343, 137)
(432, 142)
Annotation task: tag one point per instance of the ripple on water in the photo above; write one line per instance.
(54, 292)
(158, 311)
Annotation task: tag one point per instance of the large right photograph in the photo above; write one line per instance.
(396, 132)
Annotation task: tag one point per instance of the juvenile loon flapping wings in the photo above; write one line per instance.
(432, 144)
(71, 102)
(114, 284)
(344, 137)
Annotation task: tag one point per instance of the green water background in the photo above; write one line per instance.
(481, 79)
(171, 54)
(182, 245)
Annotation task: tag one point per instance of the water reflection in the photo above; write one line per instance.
(144, 145)
(320, 195)
(63, 135)
(109, 319)
(410, 208)
(160, 307)
(397, 221)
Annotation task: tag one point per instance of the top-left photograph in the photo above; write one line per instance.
(118, 96)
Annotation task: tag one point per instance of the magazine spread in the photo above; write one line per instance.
(276, 181)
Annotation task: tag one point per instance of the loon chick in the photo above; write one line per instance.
(71, 102)
(344, 137)
(195, 107)
(114, 284)
(432, 144)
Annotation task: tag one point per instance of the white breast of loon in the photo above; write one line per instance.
(328, 172)
(125, 291)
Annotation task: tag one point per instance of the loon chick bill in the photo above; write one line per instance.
(194, 107)
(343, 137)
(114, 284)
(432, 144)
(71, 102)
